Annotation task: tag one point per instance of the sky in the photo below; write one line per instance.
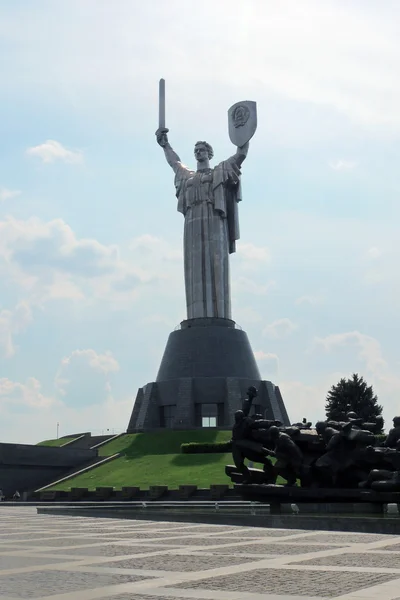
(91, 260)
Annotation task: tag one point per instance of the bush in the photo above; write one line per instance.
(206, 447)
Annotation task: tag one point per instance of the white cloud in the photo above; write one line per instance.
(48, 261)
(311, 300)
(82, 401)
(269, 362)
(306, 400)
(369, 348)
(379, 373)
(243, 284)
(150, 246)
(247, 314)
(105, 415)
(306, 61)
(6, 194)
(51, 151)
(250, 253)
(84, 376)
(102, 363)
(13, 322)
(342, 165)
(27, 394)
(374, 252)
(280, 328)
(35, 244)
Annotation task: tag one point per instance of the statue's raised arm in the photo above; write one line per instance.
(162, 140)
(241, 154)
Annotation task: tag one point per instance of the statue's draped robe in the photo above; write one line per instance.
(208, 200)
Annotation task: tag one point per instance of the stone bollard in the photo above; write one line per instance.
(48, 495)
(78, 493)
(104, 493)
(186, 491)
(128, 492)
(157, 491)
(218, 491)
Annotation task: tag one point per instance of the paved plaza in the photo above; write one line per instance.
(78, 558)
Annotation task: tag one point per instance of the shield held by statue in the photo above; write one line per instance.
(242, 119)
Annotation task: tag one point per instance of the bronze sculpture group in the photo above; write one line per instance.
(334, 454)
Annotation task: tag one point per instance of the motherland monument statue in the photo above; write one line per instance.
(208, 199)
(208, 363)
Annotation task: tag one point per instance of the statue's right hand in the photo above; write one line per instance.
(161, 135)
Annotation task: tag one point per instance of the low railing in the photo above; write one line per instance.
(227, 506)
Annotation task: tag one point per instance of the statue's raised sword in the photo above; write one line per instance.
(161, 104)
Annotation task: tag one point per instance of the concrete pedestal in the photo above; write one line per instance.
(205, 362)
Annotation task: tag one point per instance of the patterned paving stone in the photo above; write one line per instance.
(47, 583)
(204, 541)
(15, 537)
(391, 548)
(256, 532)
(348, 538)
(298, 583)
(170, 562)
(366, 559)
(271, 549)
(146, 597)
(109, 550)
(139, 535)
(65, 542)
(16, 562)
(201, 529)
(53, 543)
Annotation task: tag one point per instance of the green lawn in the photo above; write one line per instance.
(155, 459)
(162, 469)
(58, 442)
(165, 442)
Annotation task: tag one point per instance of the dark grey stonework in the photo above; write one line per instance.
(24, 467)
(206, 361)
(208, 348)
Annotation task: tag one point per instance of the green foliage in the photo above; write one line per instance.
(355, 395)
(206, 447)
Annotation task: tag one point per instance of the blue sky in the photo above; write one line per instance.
(91, 274)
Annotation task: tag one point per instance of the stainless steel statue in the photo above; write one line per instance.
(208, 200)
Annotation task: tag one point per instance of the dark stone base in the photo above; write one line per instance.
(257, 517)
(206, 361)
(277, 494)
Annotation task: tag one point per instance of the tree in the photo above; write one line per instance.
(354, 395)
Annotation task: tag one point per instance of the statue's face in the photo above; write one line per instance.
(200, 153)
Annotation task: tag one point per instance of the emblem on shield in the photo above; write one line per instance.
(242, 122)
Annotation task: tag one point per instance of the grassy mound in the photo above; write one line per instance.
(56, 443)
(155, 459)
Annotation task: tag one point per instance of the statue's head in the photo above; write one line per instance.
(252, 392)
(351, 415)
(203, 151)
(396, 421)
(273, 433)
(320, 427)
